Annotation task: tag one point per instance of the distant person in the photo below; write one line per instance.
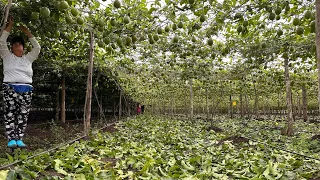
(142, 109)
(17, 88)
(138, 109)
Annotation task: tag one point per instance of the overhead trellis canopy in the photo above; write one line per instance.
(153, 47)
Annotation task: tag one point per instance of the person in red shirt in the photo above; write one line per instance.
(139, 109)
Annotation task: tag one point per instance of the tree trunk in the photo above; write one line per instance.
(279, 97)
(318, 46)
(269, 111)
(304, 103)
(152, 106)
(299, 106)
(289, 130)
(114, 108)
(129, 108)
(101, 113)
(256, 107)
(241, 105)
(191, 98)
(57, 106)
(247, 105)
(120, 104)
(5, 18)
(99, 102)
(231, 107)
(174, 106)
(87, 106)
(217, 110)
(202, 105)
(213, 107)
(79, 108)
(171, 105)
(294, 112)
(207, 105)
(263, 108)
(163, 106)
(63, 99)
(185, 104)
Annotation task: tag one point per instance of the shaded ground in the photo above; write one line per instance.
(316, 137)
(111, 161)
(110, 129)
(50, 173)
(216, 129)
(43, 136)
(235, 140)
(47, 135)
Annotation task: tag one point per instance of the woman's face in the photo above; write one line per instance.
(17, 49)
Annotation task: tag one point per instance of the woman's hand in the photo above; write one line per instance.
(25, 30)
(10, 20)
(9, 24)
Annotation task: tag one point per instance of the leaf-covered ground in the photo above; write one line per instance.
(42, 136)
(149, 147)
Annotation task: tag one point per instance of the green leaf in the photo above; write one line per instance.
(57, 167)
(80, 177)
(10, 158)
(172, 161)
(151, 10)
(70, 151)
(11, 175)
(187, 166)
(4, 174)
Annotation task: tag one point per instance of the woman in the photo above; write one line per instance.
(17, 88)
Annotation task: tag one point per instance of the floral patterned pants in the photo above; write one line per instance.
(16, 112)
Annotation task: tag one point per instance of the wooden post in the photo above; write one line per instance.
(128, 108)
(57, 106)
(256, 107)
(63, 99)
(207, 105)
(191, 98)
(289, 130)
(99, 102)
(231, 107)
(152, 106)
(213, 107)
(114, 108)
(101, 113)
(279, 97)
(163, 106)
(171, 104)
(5, 18)
(241, 105)
(120, 104)
(318, 46)
(247, 105)
(87, 106)
(299, 113)
(185, 104)
(304, 103)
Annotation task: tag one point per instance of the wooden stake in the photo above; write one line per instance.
(87, 107)
(289, 130)
(191, 98)
(63, 99)
(6, 14)
(318, 46)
